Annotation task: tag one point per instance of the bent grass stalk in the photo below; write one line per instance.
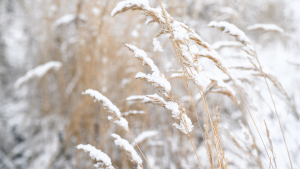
(168, 26)
(276, 112)
(252, 119)
(139, 149)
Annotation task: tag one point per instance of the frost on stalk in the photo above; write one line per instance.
(143, 136)
(102, 158)
(117, 119)
(132, 154)
(232, 30)
(129, 4)
(157, 46)
(38, 72)
(265, 27)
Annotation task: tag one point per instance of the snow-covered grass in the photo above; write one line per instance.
(97, 155)
(192, 72)
(177, 91)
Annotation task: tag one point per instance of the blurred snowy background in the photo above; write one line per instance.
(43, 115)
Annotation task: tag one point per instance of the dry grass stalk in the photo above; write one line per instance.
(188, 59)
(271, 145)
(221, 160)
(251, 51)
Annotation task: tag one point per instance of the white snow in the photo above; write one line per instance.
(230, 11)
(97, 155)
(170, 105)
(156, 80)
(143, 136)
(202, 80)
(38, 72)
(157, 46)
(177, 75)
(265, 27)
(186, 53)
(106, 102)
(231, 29)
(125, 81)
(124, 144)
(133, 112)
(174, 107)
(135, 33)
(66, 19)
(180, 33)
(194, 49)
(142, 98)
(110, 106)
(129, 4)
(155, 97)
(140, 54)
(96, 11)
(219, 44)
(185, 126)
(121, 122)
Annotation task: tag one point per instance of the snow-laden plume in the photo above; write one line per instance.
(129, 4)
(117, 117)
(128, 148)
(103, 160)
(142, 56)
(177, 111)
(157, 79)
(232, 30)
